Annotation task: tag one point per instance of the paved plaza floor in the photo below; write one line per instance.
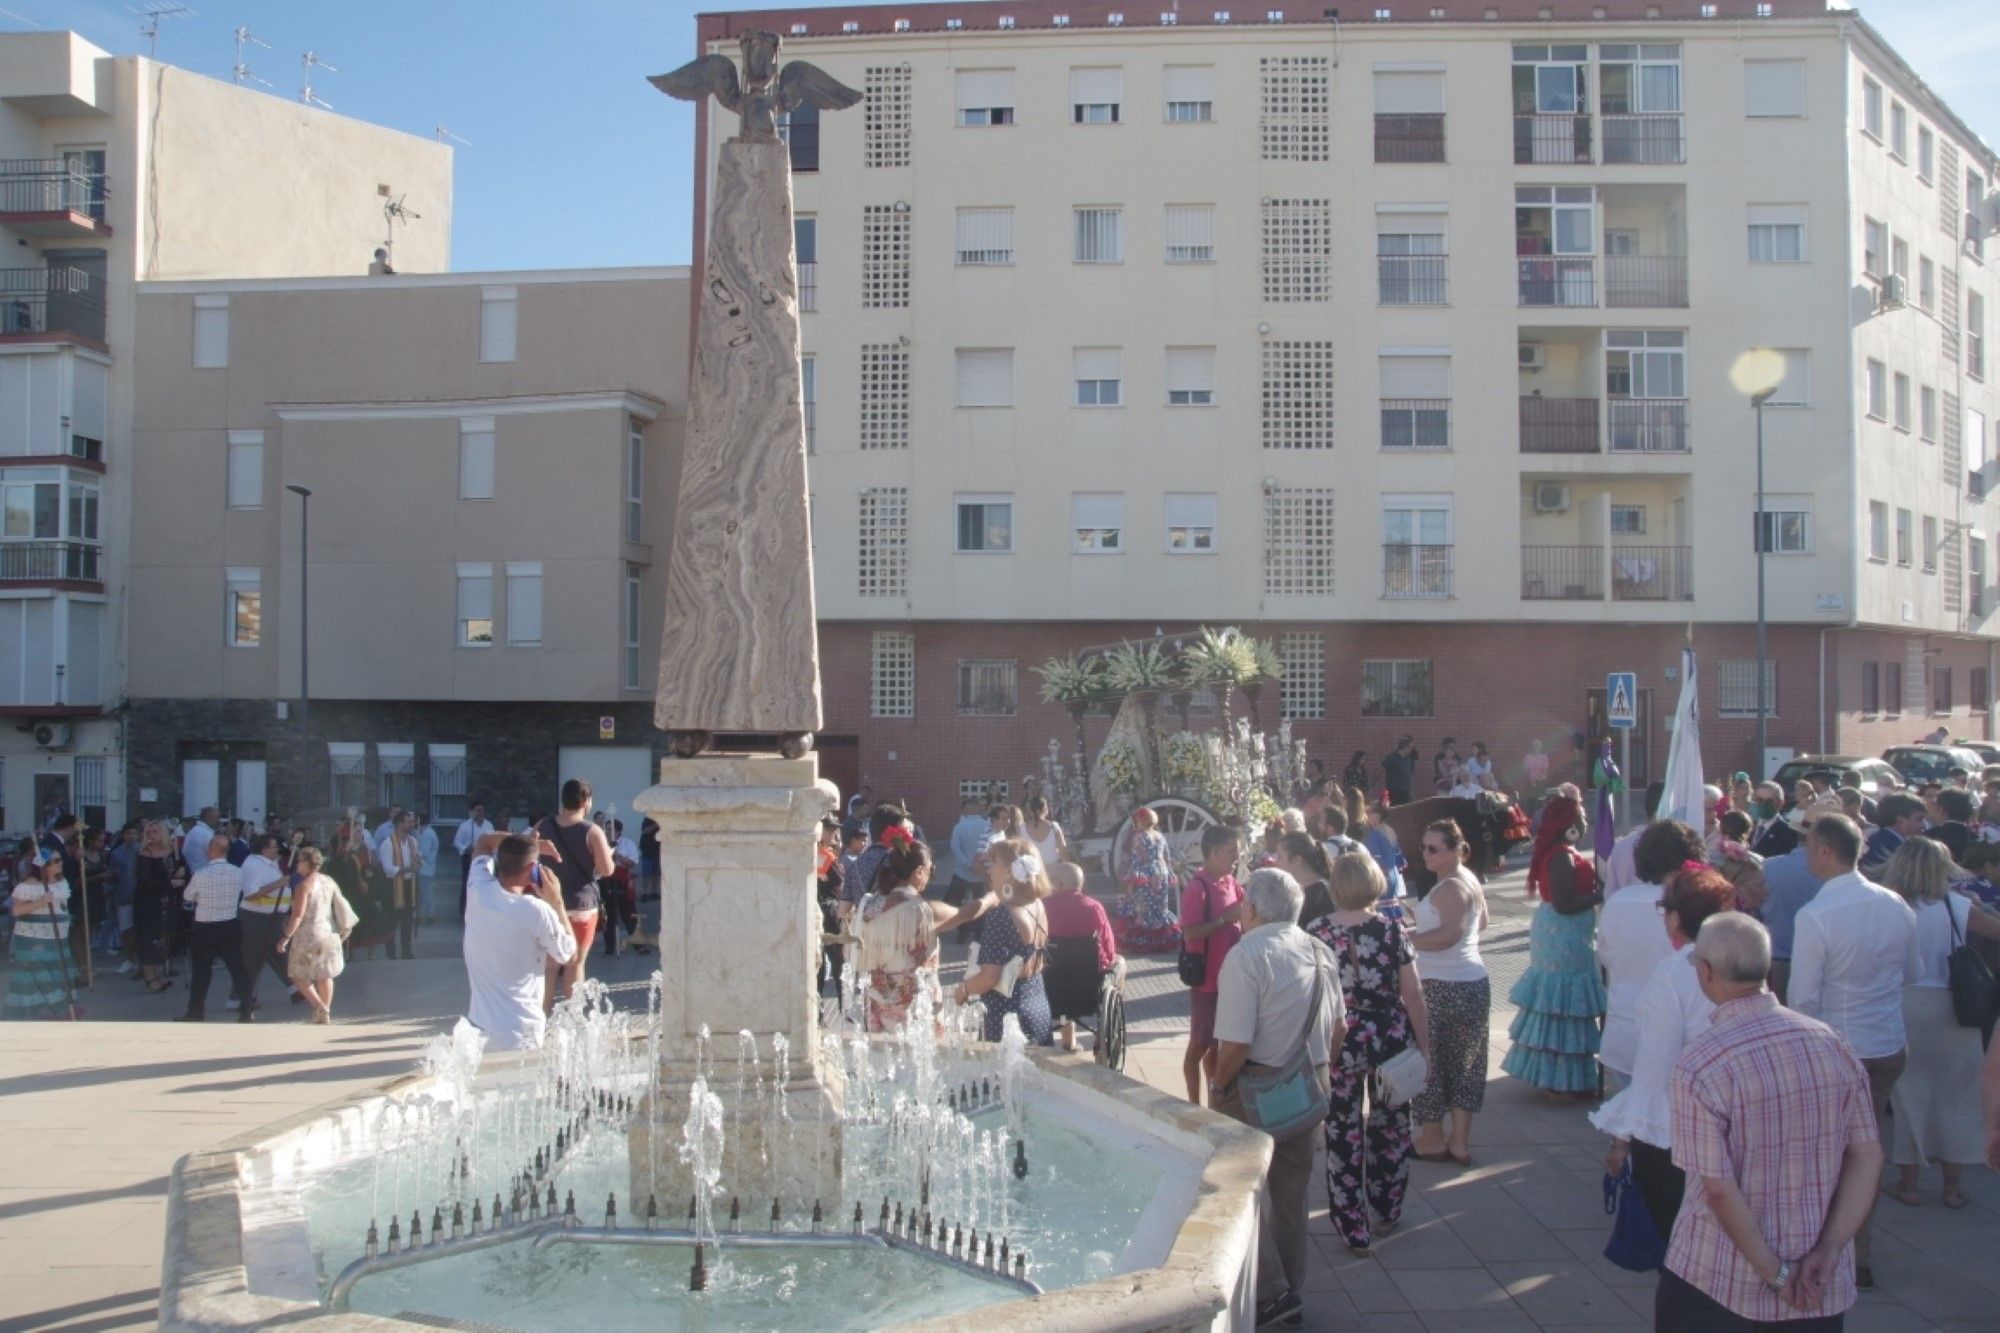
(93, 1116)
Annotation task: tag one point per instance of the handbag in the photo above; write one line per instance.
(1283, 1100)
(1975, 994)
(1635, 1242)
(1193, 964)
(1403, 1076)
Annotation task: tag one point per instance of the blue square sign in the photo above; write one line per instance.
(1621, 699)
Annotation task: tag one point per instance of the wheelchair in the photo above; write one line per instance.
(1080, 992)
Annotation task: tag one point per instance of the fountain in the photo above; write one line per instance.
(909, 1178)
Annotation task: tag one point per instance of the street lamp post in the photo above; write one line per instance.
(1763, 541)
(305, 619)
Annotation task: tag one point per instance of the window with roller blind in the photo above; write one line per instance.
(1412, 261)
(211, 332)
(246, 469)
(1416, 399)
(1094, 95)
(984, 377)
(1098, 376)
(524, 604)
(1097, 522)
(1777, 233)
(498, 316)
(475, 606)
(475, 458)
(985, 97)
(985, 236)
(244, 607)
(1774, 88)
(1795, 386)
(1409, 114)
(1190, 523)
(1190, 230)
(1189, 93)
(1190, 377)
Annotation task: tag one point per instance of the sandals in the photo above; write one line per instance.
(1446, 1156)
(1907, 1197)
(158, 985)
(1954, 1197)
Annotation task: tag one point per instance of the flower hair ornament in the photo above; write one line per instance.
(1733, 850)
(896, 836)
(1026, 866)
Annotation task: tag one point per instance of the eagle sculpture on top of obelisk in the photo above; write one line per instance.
(740, 650)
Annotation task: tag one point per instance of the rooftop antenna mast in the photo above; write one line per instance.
(247, 38)
(149, 22)
(443, 133)
(309, 62)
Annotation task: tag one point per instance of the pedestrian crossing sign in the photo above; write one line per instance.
(1621, 699)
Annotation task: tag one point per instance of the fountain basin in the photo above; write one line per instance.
(242, 1248)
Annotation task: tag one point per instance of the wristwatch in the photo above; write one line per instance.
(1777, 1281)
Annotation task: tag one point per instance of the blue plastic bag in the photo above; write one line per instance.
(1635, 1243)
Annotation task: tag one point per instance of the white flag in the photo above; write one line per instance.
(1682, 797)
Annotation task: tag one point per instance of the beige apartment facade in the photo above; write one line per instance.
(115, 170)
(1405, 342)
(474, 579)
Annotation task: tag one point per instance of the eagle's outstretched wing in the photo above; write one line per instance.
(800, 84)
(698, 78)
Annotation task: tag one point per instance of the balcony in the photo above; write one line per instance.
(52, 197)
(1559, 426)
(50, 302)
(49, 562)
(1416, 571)
(1552, 137)
(1645, 138)
(1405, 137)
(1562, 573)
(1649, 426)
(1567, 281)
(1652, 574)
(1646, 282)
(1416, 423)
(1413, 279)
(809, 285)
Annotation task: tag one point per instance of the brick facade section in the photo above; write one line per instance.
(1871, 733)
(1504, 684)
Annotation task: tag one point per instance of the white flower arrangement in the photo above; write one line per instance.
(1120, 766)
(1184, 761)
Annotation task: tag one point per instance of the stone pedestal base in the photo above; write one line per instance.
(794, 1158)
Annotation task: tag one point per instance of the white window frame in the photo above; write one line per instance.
(1096, 80)
(1795, 385)
(1927, 413)
(1975, 336)
(499, 324)
(238, 584)
(524, 604)
(1769, 227)
(1787, 525)
(1097, 377)
(1871, 108)
(984, 238)
(211, 331)
(1736, 681)
(475, 587)
(1097, 234)
(1926, 153)
(1906, 537)
(1187, 110)
(1902, 409)
(1190, 233)
(1899, 131)
(1635, 525)
(1198, 389)
(1874, 248)
(1926, 283)
(986, 502)
(1097, 522)
(1191, 522)
(245, 488)
(977, 94)
(1875, 385)
(478, 448)
(1927, 543)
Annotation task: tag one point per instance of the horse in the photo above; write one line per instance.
(1493, 826)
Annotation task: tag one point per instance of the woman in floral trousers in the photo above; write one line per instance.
(1367, 1141)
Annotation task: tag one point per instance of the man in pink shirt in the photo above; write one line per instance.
(1211, 918)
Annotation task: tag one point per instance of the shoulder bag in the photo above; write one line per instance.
(1975, 994)
(1283, 1100)
(1404, 1074)
(1194, 962)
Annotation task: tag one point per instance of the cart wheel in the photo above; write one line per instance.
(1110, 1046)
(1181, 822)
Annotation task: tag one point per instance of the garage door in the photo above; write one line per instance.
(616, 773)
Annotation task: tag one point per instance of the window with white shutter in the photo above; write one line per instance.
(1100, 235)
(1094, 95)
(1190, 523)
(1795, 388)
(985, 236)
(1189, 93)
(984, 377)
(1774, 87)
(1190, 377)
(1190, 233)
(498, 307)
(524, 604)
(1409, 92)
(475, 458)
(475, 606)
(211, 332)
(246, 469)
(985, 96)
(1098, 375)
(1416, 400)
(1409, 115)
(1097, 522)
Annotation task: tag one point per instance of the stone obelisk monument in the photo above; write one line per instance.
(739, 927)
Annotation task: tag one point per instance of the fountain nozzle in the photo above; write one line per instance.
(989, 1250)
(395, 1235)
(478, 1216)
(437, 1224)
(569, 1207)
(416, 1229)
(1020, 1265)
(457, 1220)
(652, 1211)
(549, 1203)
(735, 1213)
(958, 1242)
(776, 1215)
(858, 1215)
(373, 1240)
(611, 1210)
(698, 1275)
(1020, 1159)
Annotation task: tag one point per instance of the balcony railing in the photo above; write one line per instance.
(1559, 426)
(1409, 137)
(1649, 426)
(1548, 137)
(1645, 137)
(1416, 571)
(1652, 574)
(1416, 423)
(50, 185)
(1557, 280)
(1645, 281)
(48, 561)
(50, 300)
(1413, 279)
(1562, 573)
(809, 285)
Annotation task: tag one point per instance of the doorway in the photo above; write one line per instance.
(1640, 772)
(250, 795)
(201, 785)
(52, 794)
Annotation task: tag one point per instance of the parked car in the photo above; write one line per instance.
(1874, 777)
(1931, 763)
(1984, 749)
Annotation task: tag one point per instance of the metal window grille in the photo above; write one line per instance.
(448, 784)
(1396, 687)
(1100, 236)
(885, 396)
(1294, 127)
(1736, 687)
(396, 775)
(347, 769)
(1298, 541)
(1979, 688)
(892, 673)
(1298, 249)
(885, 256)
(1302, 688)
(990, 791)
(1298, 395)
(884, 542)
(885, 121)
(985, 236)
(87, 783)
(1190, 233)
(987, 688)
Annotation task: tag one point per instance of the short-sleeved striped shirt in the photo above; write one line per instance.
(1770, 1099)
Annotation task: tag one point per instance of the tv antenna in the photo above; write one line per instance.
(443, 134)
(247, 38)
(18, 18)
(149, 21)
(309, 62)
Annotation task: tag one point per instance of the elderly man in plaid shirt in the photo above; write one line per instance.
(1773, 1124)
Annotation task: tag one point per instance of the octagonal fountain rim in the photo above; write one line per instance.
(237, 1257)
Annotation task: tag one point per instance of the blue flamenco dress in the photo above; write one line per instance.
(1559, 1003)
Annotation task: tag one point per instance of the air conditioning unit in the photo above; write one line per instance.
(52, 735)
(1533, 356)
(1894, 292)
(1551, 497)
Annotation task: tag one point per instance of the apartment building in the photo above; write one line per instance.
(443, 494)
(113, 171)
(1402, 336)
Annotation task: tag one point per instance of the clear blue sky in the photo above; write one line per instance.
(574, 161)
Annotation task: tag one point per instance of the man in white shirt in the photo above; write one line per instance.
(196, 842)
(1854, 948)
(397, 859)
(514, 927)
(262, 914)
(214, 893)
(470, 830)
